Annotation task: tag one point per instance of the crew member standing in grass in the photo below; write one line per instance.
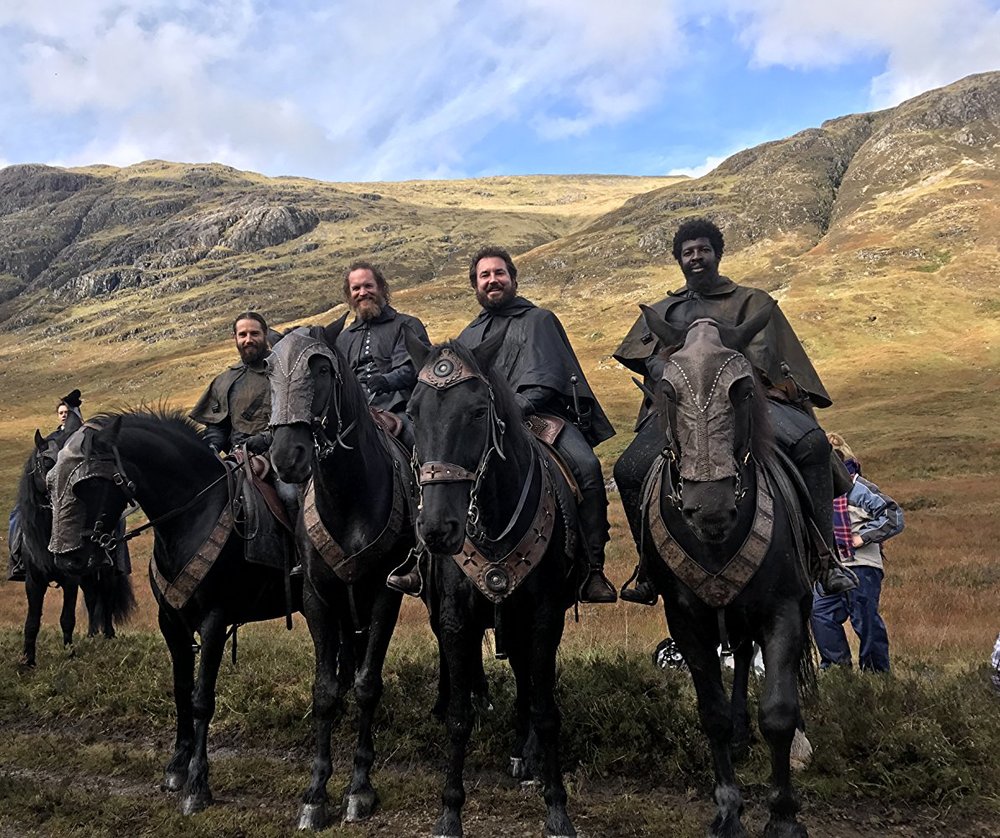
(793, 389)
(374, 343)
(546, 377)
(864, 519)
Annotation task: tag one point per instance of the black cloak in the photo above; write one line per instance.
(537, 353)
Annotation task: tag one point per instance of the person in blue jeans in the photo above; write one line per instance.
(864, 519)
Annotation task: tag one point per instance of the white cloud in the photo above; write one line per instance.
(698, 171)
(925, 43)
(349, 89)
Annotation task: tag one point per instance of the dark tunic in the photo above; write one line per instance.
(236, 405)
(537, 359)
(732, 304)
(378, 346)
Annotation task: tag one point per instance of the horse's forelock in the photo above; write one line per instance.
(503, 397)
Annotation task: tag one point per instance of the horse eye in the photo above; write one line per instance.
(479, 413)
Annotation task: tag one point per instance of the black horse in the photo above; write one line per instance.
(198, 572)
(357, 525)
(107, 594)
(484, 476)
(723, 544)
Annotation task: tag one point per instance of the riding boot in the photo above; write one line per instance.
(593, 512)
(16, 572)
(639, 588)
(832, 576)
(406, 578)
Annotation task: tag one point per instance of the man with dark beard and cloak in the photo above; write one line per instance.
(374, 343)
(546, 377)
(792, 384)
(236, 407)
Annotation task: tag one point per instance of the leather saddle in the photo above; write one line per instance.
(266, 529)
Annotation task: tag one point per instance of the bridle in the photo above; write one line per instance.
(446, 371)
(672, 453)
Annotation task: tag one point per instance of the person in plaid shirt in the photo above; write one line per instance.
(863, 520)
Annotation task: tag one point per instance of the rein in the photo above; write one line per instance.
(109, 542)
(322, 444)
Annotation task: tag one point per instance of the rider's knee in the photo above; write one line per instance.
(813, 449)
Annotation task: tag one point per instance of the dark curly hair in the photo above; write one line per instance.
(696, 228)
(380, 281)
(491, 251)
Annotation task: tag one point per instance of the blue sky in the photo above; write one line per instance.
(387, 89)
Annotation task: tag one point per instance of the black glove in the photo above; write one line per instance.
(376, 383)
(258, 443)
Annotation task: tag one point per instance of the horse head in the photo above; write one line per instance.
(706, 396)
(43, 458)
(89, 490)
(309, 378)
(458, 414)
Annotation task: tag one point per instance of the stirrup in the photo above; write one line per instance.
(642, 592)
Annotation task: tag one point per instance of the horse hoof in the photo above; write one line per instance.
(359, 806)
(449, 825)
(70, 650)
(24, 662)
(194, 803)
(173, 781)
(559, 826)
(313, 816)
(785, 829)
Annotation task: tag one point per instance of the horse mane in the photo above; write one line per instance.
(353, 401)
(159, 419)
(33, 515)
(503, 396)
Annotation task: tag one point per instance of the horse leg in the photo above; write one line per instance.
(179, 643)
(368, 686)
(460, 647)
(539, 646)
(91, 599)
(67, 618)
(34, 591)
(197, 792)
(522, 761)
(696, 641)
(327, 706)
(778, 716)
(742, 658)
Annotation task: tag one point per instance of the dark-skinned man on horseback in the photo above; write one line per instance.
(546, 378)
(792, 384)
(374, 343)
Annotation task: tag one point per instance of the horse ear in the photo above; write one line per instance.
(332, 332)
(39, 440)
(416, 348)
(108, 435)
(487, 351)
(72, 423)
(739, 337)
(667, 335)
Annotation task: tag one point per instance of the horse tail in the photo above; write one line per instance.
(121, 599)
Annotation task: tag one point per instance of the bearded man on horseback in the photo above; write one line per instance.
(236, 407)
(792, 384)
(545, 375)
(374, 343)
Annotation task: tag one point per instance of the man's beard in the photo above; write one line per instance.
(508, 294)
(369, 309)
(252, 355)
(701, 279)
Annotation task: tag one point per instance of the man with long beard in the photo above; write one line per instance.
(546, 377)
(236, 407)
(374, 343)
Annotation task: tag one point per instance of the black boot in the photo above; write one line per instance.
(642, 591)
(594, 528)
(406, 578)
(16, 571)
